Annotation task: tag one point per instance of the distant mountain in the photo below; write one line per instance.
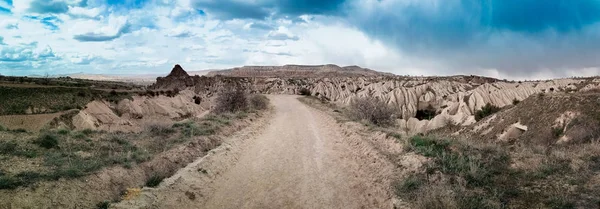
(298, 71)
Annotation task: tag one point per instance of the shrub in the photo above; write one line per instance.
(154, 180)
(87, 131)
(7, 148)
(259, 102)
(197, 100)
(103, 205)
(19, 130)
(2, 128)
(372, 110)
(47, 141)
(515, 101)
(63, 132)
(8, 182)
(231, 100)
(305, 92)
(485, 111)
(426, 114)
(172, 93)
(557, 131)
(150, 93)
(408, 185)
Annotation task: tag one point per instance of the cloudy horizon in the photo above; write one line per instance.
(513, 39)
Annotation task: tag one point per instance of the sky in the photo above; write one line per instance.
(512, 39)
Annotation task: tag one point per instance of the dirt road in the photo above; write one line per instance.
(297, 159)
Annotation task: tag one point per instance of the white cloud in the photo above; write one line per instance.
(153, 38)
(20, 6)
(5, 5)
(85, 12)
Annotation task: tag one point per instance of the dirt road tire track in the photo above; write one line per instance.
(299, 158)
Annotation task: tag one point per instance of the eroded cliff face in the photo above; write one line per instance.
(455, 98)
(133, 115)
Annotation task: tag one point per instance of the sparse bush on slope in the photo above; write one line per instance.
(231, 100)
(426, 114)
(485, 111)
(159, 129)
(259, 102)
(47, 141)
(372, 110)
(154, 180)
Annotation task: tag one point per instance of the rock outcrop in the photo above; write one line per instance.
(133, 115)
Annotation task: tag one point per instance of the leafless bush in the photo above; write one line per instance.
(372, 110)
(159, 129)
(259, 102)
(231, 100)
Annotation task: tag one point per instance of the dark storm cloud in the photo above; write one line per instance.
(48, 6)
(282, 37)
(261, 26)
(232, 9)
(99, 37)
(239, 9)
(513, 36)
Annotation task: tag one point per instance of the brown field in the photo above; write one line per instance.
(31, 123)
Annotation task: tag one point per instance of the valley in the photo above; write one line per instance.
(322, 137)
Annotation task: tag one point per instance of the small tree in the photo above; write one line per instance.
(372, 110)
(485, 111)
(231, 100)
(259, 102)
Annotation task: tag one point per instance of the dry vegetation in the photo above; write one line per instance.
(50, 155)
(371, 110)
(470, 174)
(17, 100)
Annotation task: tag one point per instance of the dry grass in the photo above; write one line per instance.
(71, 154)
(159, 129)
(488, 175)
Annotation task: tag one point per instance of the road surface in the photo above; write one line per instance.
(297, 159)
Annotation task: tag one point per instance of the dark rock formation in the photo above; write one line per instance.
(178, 72)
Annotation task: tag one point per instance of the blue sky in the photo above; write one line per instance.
(514, 39)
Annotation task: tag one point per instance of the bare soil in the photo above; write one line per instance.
(28, 122)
